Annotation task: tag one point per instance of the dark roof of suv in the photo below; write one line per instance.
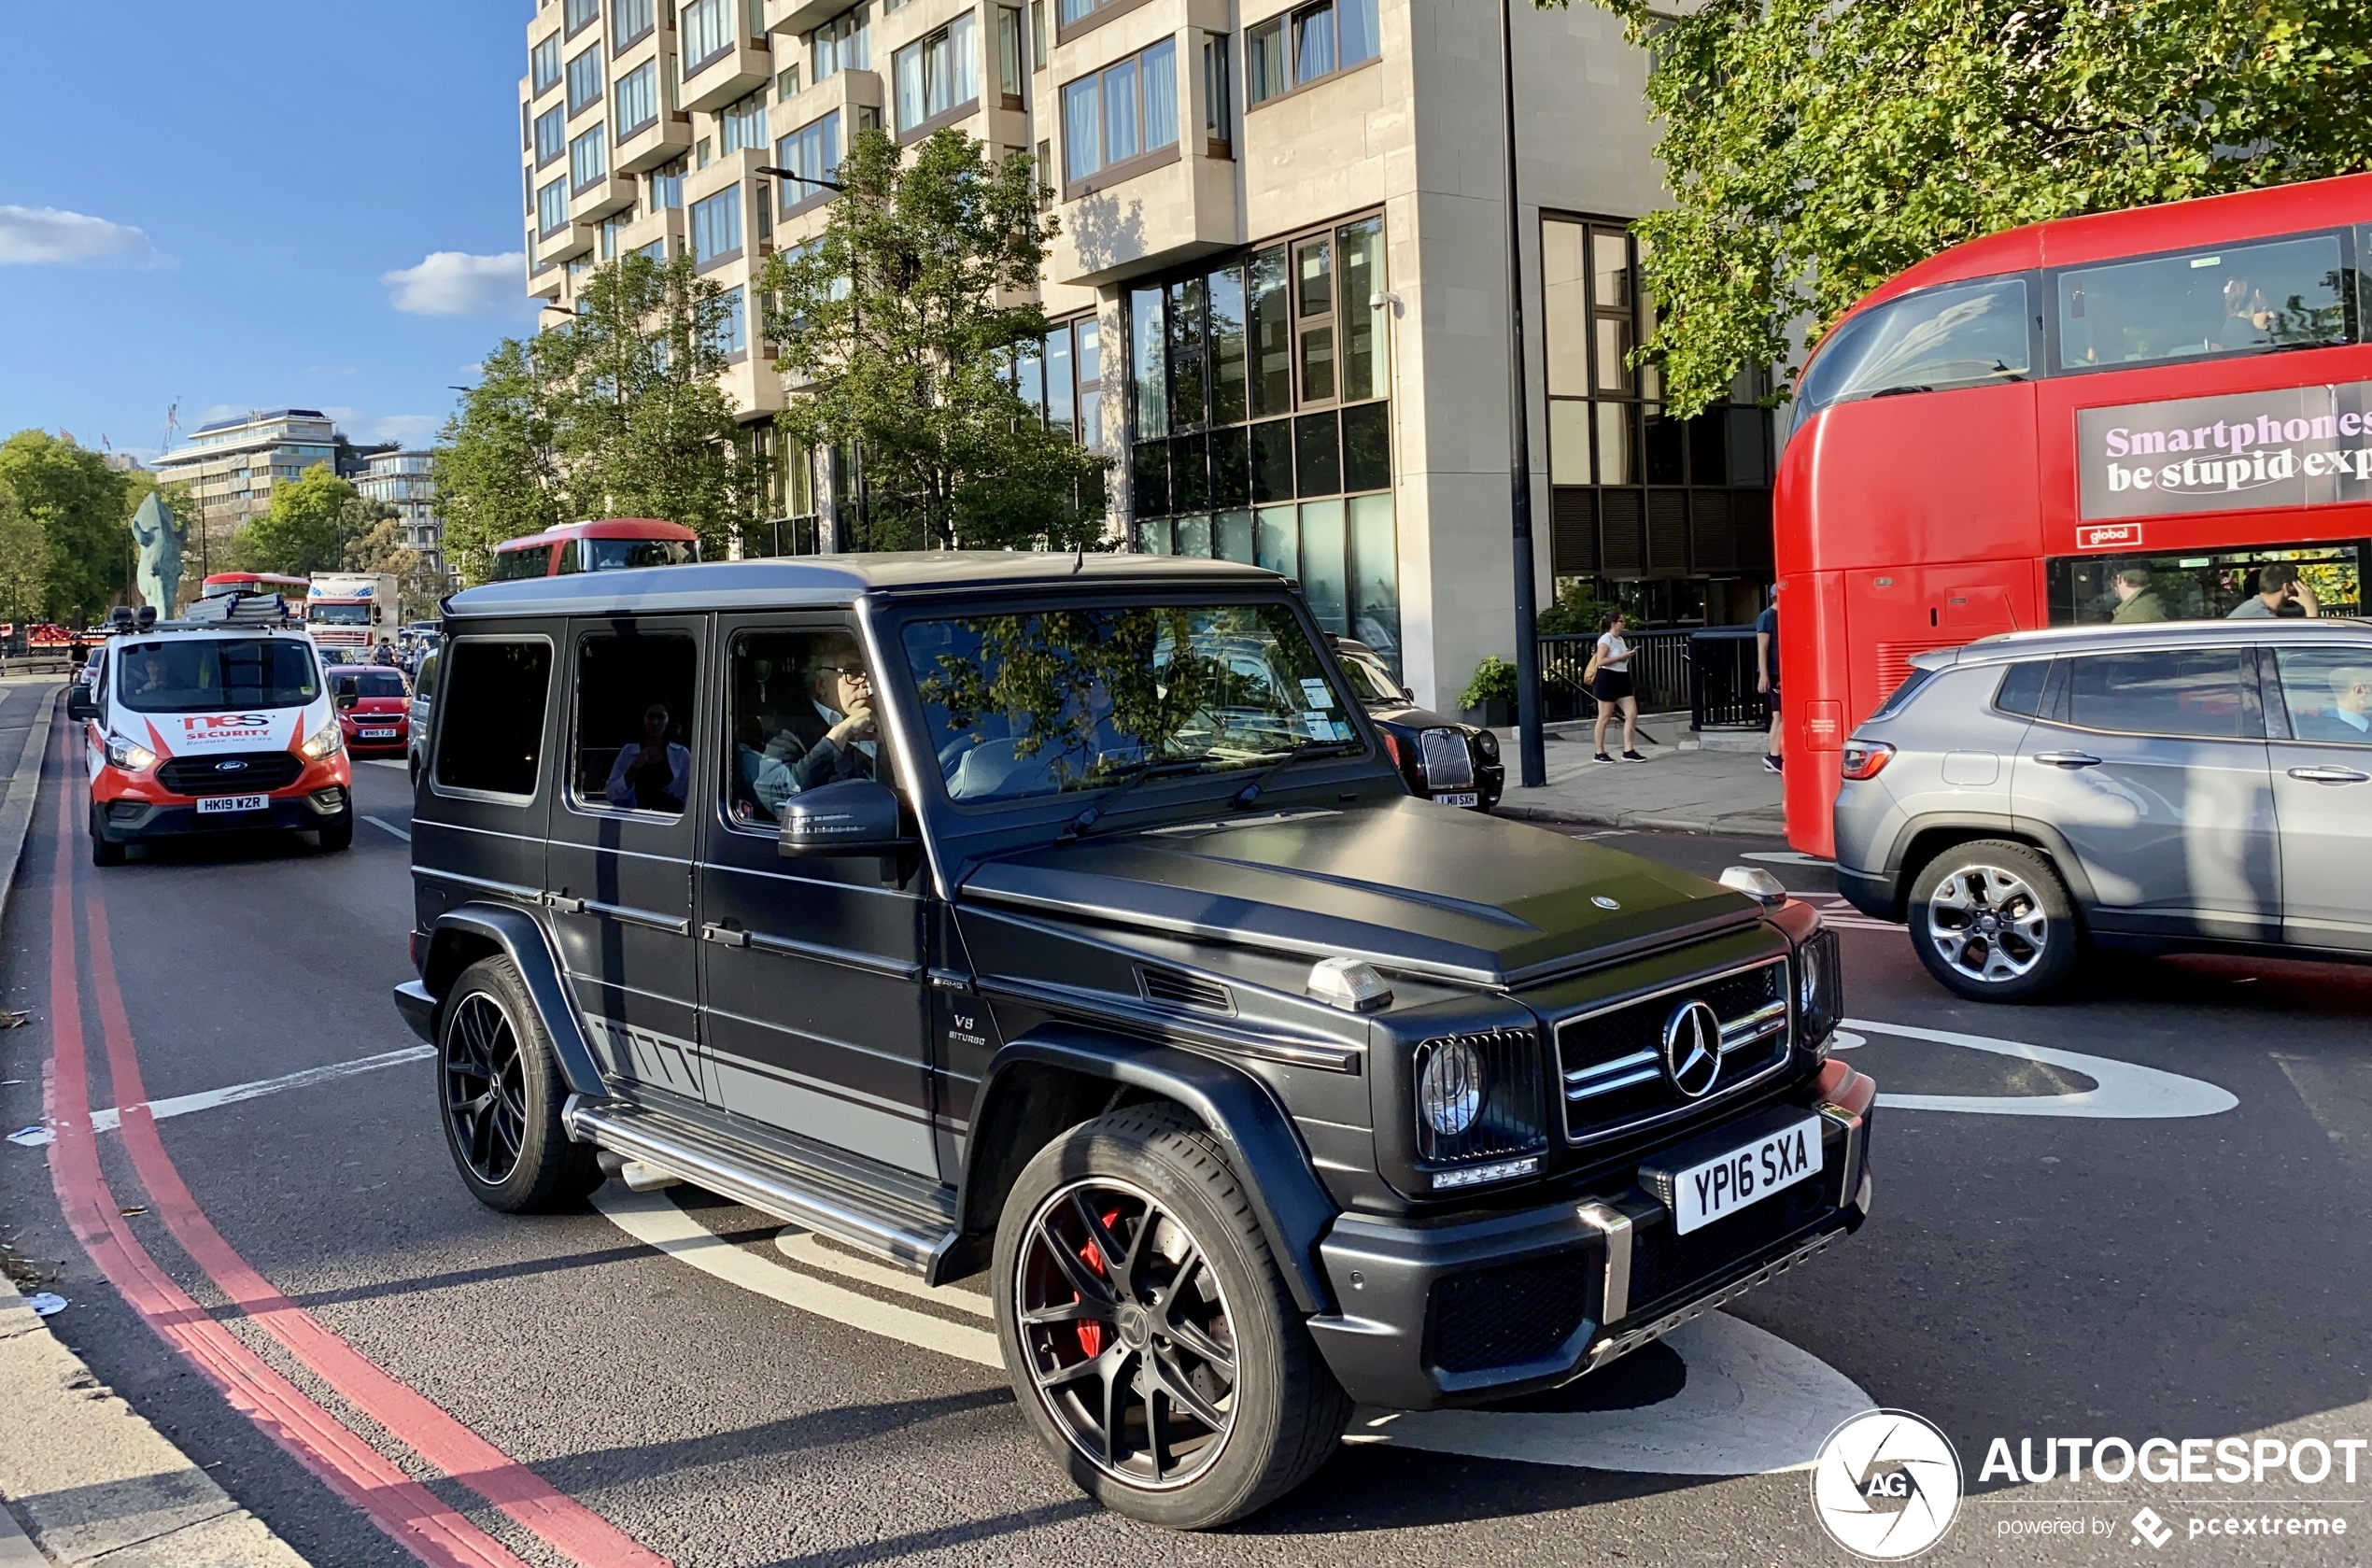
(810, 581)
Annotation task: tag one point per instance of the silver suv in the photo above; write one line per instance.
(2183, 785)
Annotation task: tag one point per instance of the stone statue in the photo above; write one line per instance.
(160, 534)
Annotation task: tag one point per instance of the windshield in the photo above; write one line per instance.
(1023, 705)
(617, 555)
(204, 676)
(1370, 680)
(338, 615)
(372, 683)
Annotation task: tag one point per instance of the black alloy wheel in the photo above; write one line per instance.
(498, 1095)
(1127, 1334)
(485, 1089)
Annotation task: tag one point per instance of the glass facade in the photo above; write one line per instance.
(1061, 377)
(1261, 421)
(1668, 517)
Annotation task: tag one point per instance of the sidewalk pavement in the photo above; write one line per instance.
(82, 1473)
(1701, 790)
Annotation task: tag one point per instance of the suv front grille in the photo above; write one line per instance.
(254, 773)
(1611, 1063)
(1515, 1312)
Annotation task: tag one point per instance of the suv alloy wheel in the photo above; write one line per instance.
(1994, 922)
(499, 1094)
(1149, 1333)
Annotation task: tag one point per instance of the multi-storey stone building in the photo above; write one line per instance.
(406, 480)
(1280, 292)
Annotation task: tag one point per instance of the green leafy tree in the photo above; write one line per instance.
(374, 534)
(307, 528)
(82, 506)
(25, 562)
(616, 412)
(1817, 148)
(899, 315)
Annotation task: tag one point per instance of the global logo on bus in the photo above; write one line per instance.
(2293, 446)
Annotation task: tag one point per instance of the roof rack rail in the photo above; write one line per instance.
(232, 609)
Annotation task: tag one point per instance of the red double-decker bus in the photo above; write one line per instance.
(2151, 414)
(604, 545)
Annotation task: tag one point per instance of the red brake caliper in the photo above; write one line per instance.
(1091, 1335)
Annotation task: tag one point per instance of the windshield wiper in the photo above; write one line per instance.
(1112, 797)
(1303, 753)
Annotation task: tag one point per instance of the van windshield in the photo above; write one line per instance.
(1054, 701)
(205, 675)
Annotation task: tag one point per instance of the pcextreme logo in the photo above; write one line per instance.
(1886, 1485)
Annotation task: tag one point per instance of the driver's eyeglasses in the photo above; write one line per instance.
(853, 673)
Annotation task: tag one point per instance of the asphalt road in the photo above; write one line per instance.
(2172, 1252)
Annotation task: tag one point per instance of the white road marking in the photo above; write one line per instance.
(1784, 857)
(385, 762)
(110, 1120)
(2125, 1091)
(803, 1247)
(389, 827)
(1752, 1404)
(652, 1220)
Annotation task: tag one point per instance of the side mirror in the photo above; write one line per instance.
(80, 706)
(1408, 694)
(854, 816)
(347, 699)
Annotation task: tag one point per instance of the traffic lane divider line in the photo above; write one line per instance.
(410, 1417)
(389, 827)
(109, 1120)
(405, 1511)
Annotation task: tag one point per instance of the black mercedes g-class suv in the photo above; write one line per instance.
(1062, 918)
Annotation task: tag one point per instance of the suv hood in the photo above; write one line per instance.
(1409, 885)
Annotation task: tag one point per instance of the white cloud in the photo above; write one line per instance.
(32, 236)
(456, 283)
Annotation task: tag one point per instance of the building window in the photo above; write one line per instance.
(1671, 517)
(1219, 109)
(667, 186)
(716, 226)
(585, 81)
(631, 21)
(581, 15)
(638, 99)
(544, 64)
(786, 85)
(1009, 70)
(813, 150)
(732, 329)
(550, 135)
(1037, 35)
(1068, 14)
(1262, 428)
(707, 33)
(744, 124)
(1317, 41)
(1122, 112)
(588, 161)
(937, 74)
(842, 44)
(1059, 377)
(552, 207)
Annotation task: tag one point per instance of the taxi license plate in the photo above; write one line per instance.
(223, 805)
(1468, 798)
(1717, 1187)
(378, 734)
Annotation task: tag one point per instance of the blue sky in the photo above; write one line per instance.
(203, 203)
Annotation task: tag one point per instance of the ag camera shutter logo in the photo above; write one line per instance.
(1886, 1485)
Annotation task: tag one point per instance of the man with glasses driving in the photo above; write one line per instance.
(837, 739)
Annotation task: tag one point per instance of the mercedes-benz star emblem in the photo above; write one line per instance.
(1692, 1049)
(1605, 904)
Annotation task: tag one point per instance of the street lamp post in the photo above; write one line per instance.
(1531, 755)
(803, 180)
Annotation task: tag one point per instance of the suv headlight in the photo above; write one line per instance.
(1820, 988)
(1449, 1088)
(130, 755)
(325, 742)
(1479, 1098)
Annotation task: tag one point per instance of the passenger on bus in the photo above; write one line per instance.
(2280, 593)
(2137, 600)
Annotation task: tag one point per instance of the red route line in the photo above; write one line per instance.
(402, 1509)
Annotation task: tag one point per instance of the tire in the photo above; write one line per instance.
(1991, 922)
(1149, 1184)
(104, 851)
(499, 1098)
(338, 832)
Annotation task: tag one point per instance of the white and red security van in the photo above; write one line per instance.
(225, 724)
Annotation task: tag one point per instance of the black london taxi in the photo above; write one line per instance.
(1062, 919)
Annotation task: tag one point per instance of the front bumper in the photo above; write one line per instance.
(1477, 1310)
(1870, 892)
(128, 821)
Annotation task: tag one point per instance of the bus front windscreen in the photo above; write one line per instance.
(619, 555)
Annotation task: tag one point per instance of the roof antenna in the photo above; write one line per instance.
(1078, 560)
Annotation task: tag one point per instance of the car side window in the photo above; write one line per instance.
(799, 714)
(2193, 693)
(631, 746)
(2022, 686)
(492, 736)
(2327, 693)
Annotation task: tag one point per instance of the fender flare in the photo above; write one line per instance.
(1989, 824)
(1264, 1150)
(522, 939)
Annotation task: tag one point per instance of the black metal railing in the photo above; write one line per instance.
(1725, 666)
(1710, 672)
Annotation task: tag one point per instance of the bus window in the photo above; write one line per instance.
(614, 554)
(2238, 299)
(1967, 334)
(511, 566)
(2201, 585)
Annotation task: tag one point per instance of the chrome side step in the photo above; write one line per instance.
(896, 1235)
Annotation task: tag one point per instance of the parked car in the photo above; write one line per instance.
(1064, 920)
(374, 708)
(415, 725)
(2188, 784)
(1440, 760)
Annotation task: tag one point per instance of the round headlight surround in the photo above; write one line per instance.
(1487, 744)
(1450, 1089)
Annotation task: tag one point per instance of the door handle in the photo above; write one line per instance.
(2330, 775)
(2067, 759)
(724, 936)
